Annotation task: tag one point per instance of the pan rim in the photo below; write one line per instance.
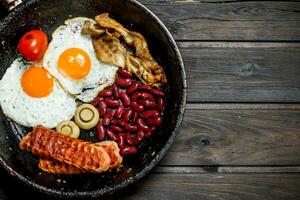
(109, 190)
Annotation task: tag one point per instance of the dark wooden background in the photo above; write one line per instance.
(240, 138)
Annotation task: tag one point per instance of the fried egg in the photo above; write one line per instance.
(30, 96)
(70, 58)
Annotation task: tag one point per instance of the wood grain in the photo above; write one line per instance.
(242, 71)
(179, 183)
(229, 20)
(204, 1)
(237, 137)
(243, 106)
(217, 186)
(226, 169)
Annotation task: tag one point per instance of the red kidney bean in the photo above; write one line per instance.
(102, 108)
(121, 140)
(119, 112)
(147, 103)
(154, 121)
(149, 113)
(125, 99)
(128, 151)
(139, 137)
(129, 139)
(105, 121)
(141, 125)
(115, 128)
(108, 117)
(116, 91)
(146, 95)
(136, 107)
(130, 127)
(96, 101)
(124, 73)
(152, 129)
(133, 87)
(111, 135)
(135, 117)
(106, 92)
(118, 122)
(160, 104)
(127, 115)
(157, 92)
(145, 87)
(135, 96)
(150, 132)
(112, 102)
(142, 95)
(123, 82)
(100, 131)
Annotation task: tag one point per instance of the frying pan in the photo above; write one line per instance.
(49, 14)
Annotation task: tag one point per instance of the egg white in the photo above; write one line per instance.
(29, 111)
(69, 36)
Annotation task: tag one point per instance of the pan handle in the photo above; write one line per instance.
(10, 4)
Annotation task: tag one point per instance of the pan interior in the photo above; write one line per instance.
(48, 15)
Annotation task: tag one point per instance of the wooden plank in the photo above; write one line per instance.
(206, 186)
(237, 137)
(229, 20)
(242, 71)
(201, 1)
(242, 106)
(188, 1)
(217, 186)
(226, 169)
(258, 169)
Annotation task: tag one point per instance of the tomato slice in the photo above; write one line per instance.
(33, 45)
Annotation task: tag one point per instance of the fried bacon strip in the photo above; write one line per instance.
(56, 167)
(108, 49)
(92, 29)
(51, 145)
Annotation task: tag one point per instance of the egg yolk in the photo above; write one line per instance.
(74, 63)
(37, 82)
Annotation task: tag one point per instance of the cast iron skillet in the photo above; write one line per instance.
(49, 14)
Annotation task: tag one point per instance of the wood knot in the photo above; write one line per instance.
(248, 69)
(198, 142)
(205, 142)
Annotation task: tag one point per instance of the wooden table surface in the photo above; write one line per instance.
(240, 138)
